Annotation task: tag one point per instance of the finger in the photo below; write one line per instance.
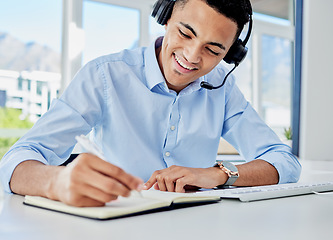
(181, 182)
(156, 186)
(151, 181)
(117, 173)
(83, 173)
(82, 197)
(106, 184)
(95, 194)
(169, 183)
(160, 182)
(87, 202)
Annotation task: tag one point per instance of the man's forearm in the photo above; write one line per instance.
(33, 178)
(255, 173)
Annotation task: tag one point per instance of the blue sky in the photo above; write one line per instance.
(32, 20)
(107, 28)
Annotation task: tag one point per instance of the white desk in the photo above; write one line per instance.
(301, 217)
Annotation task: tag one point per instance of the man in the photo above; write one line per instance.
(152, 119)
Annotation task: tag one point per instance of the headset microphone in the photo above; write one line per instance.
(209, 86)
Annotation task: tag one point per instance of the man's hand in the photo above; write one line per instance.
(91, 181)
(176, 178)
(87, 181)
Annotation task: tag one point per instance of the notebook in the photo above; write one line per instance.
(151, 200)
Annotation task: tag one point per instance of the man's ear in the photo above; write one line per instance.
(166, 25)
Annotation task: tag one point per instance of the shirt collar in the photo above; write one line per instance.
(153, 72)
(154, 75)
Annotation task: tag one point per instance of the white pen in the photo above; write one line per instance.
(91, 147)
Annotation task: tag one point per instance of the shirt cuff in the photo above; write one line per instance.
(287, 165)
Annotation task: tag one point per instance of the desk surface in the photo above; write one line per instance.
(301, 217)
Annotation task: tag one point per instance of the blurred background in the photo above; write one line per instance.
(44, 43)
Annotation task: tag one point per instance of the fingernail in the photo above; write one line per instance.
(140, 187)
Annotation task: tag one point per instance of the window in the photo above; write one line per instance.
(272, 43)
(243, 73)
(155, 29)
(30, 53)
(108, 29)
(276, 82)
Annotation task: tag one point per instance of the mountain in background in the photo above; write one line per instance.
(19, 56)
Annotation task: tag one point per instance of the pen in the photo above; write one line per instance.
(94, 149)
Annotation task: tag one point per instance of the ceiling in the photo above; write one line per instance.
(276, 8)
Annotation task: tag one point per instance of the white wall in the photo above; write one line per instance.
(316, 129)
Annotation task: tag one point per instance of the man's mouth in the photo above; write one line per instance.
(183, 64)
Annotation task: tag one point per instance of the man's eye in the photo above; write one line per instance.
(183, 34)
(213, 52)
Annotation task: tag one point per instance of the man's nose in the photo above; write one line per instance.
(192, 53)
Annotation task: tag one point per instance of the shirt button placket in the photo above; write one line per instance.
(172, 133)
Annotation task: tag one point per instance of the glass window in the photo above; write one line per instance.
(276, 82)
(243, 73)
(28, 47)
(155, 29)
(108, 29)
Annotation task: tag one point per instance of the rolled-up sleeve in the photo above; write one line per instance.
(250, 135)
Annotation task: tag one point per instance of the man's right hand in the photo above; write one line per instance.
(87, 181)
(91, 181)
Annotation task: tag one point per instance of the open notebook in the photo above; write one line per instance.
(135, 204)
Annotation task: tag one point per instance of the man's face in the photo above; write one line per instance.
(197, 38)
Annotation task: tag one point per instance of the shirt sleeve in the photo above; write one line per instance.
(52, 139)
(250, 135)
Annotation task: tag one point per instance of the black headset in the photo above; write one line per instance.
(162, 11)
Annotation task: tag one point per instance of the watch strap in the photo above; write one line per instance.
(230, 169)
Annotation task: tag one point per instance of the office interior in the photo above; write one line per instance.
(304, 27)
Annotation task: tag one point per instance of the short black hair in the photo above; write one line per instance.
(239, 11)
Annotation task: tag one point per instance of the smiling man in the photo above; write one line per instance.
(155, 123)
(190, 49)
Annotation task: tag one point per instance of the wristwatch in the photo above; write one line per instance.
(230, 169)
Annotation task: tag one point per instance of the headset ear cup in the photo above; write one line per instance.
(167, 13)
(156, 7)
(236, 53)
(162, 11)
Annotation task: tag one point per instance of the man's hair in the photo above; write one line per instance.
(238, 11)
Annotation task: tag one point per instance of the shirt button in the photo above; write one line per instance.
(172, 128)
(167, 154)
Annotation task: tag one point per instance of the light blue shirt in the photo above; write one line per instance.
(143, 126)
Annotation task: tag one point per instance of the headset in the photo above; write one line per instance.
(162, 11)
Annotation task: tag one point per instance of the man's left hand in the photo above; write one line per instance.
(177, 178)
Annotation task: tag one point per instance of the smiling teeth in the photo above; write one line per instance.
(183, 64)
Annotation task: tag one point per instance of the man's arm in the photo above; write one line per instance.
(176, 178)
(87, 181)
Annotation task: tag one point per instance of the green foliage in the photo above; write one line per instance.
(288, 133)
(5, 144)
(10, 118)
